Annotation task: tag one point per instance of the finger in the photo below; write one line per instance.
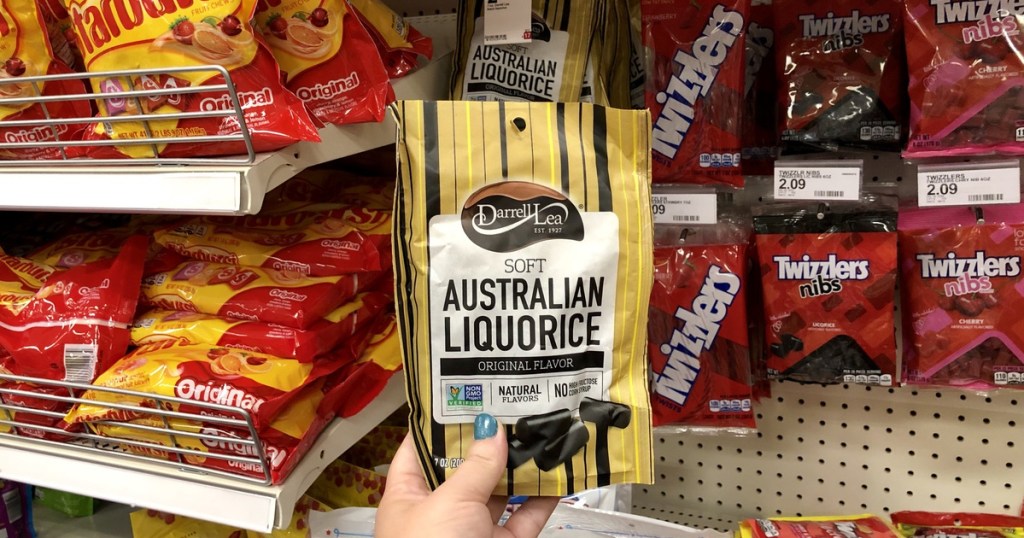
(405, 482)
(530, 519)
(496, 506)
(478, 475)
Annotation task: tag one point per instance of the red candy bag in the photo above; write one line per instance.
(328, 58)
(69, 325)
(695, 87)
(25, 51)
(966, 72)
(698, 333)
(962, 290)
(176, 34)
(829, 285)
(840, 73)
(760, 140)
(399, 43)
(957, 525)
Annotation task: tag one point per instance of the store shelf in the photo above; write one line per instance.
(217, 189)
(227, 501)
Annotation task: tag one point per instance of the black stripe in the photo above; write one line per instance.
(563, 153)
(603, 459)
(583, 156)
(570, 478)
(432, 174)
(431, 162)
(504, 140)
(510, 471)
(566, 12)
(604, 188)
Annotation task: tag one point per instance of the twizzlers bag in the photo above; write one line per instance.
(962, 291)
(966, 74)
(840, 72)
(829, 289)
(698, 339)
(131, 34)
(695, 87)
(25, 52)
(328, 58)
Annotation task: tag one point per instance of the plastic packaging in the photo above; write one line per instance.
(327, 58)
(829, 285)
(859, 526)
(71, 504)
(400, 44)
(841, 74)
(966, 77)
(695, 89)
(957, 525)
(962, 287)
(15, 511)
(760, 113)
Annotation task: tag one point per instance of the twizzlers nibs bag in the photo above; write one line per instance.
(829, 292)
(698, 335)
(695, 88)
(130, 34)
(840, 71)
(962, 290)
(966, 77)
(25, 52)
(328, 58)
(523, 288)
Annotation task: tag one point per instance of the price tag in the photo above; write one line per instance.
(960, 186)
(699, 208)
(814, 182)
(507, 21)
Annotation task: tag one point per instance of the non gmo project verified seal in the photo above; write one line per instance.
(464, 398)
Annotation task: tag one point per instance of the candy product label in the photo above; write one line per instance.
(961, 283)
(829, 290)
(839, 66)
(695, 87)
(522, 287)
(698, 345)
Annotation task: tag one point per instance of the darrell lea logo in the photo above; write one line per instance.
(512, 215)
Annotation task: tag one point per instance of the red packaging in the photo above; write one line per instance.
(250, 293)
(327, 58)
(695, 87)
(69, 325)
(840, 73)
(966, 72)
(25, 51)
(698, 345)
(277, 340)
(957, 525)
(760, 139)
(962, 291)
(399, 43)
(178, 34)
(859, 526)
(344, 239)
(829, 286)
(358, 383)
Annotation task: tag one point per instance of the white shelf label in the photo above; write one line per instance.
(817, 182)
(507, 21)
(968, 187)
(690, 208)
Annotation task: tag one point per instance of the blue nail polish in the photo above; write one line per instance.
(484, 427)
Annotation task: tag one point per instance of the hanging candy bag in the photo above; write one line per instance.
(399, 43)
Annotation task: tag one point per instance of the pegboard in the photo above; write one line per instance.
(845, 449)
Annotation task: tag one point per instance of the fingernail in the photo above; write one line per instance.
(484, 427)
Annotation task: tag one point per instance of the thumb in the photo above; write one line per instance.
(479, 474)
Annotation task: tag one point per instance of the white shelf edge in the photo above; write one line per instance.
(221, 500)
(229, 189)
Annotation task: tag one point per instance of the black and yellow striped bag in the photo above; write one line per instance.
(523, 245)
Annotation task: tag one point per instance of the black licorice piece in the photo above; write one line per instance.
(538, 428)
(561, 450)
(605, 414)
(520, 452)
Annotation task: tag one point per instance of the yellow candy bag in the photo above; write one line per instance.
(523, 264)
(154, 524)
